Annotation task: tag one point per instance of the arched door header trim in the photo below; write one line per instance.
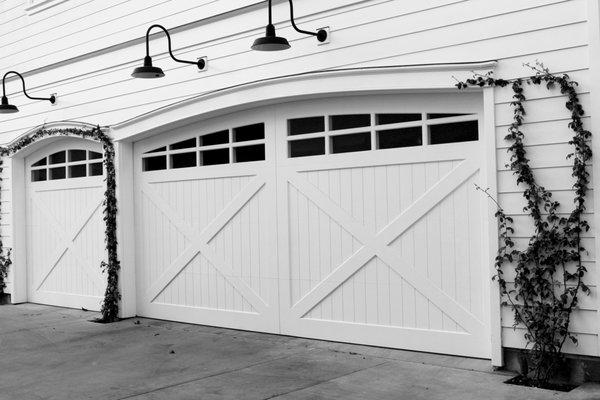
(339, 82)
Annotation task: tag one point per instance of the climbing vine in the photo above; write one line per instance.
(546, 278)
(110, 304)
(5, 260)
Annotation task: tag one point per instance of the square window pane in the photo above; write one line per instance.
(77, 155)
(351, 142)
(58, 173)
(58, 158)
(160, 149)
(154, 163)
(40, 163)
(185, 144)
(250, 153)
(184, 160)
(95, 155)
(385, 119)
(307, 147)
(96, 169)
(77, 171)
(38, 175)
(249, 132)
(215, 157)
(212, 139)
(350, 121)
(301, 126)
(404, 137)
(454, 133)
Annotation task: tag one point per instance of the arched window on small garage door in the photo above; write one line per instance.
(67, 164)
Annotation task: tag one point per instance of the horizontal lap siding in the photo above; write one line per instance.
(98, 88)
(12, 15)
(101, 91)
(82, 26)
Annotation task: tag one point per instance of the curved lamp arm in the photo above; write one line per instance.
(321, 34)
(51, 99)
(200, 63)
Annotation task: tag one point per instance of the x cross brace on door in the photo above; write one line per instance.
(199, 243)
(379, 246)
(67, 244)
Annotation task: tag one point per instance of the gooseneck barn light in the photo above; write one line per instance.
(5, 107)
(148, 71)
(272, 42)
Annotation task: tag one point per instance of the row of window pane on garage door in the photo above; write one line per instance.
(317, 136)
(67, 164)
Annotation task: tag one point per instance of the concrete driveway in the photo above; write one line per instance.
(54, 353)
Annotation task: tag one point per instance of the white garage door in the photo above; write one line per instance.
(65, 230)
(344, 219)
(205, 240)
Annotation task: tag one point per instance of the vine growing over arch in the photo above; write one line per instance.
(542, 283)
(110, 304)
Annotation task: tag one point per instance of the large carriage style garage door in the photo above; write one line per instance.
(65, 230)
(349, 219)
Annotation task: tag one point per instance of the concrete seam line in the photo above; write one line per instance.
(131, 396)
(324, 381)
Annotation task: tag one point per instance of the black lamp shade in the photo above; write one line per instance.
(274, 43)
(6, 108)
(271, 42)
(148, 71)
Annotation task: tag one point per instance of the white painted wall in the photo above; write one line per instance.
(85, 50)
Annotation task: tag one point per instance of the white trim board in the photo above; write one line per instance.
(314, 84)
(594, 49)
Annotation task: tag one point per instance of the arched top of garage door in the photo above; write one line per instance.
(46, 141)
(60, 150)
(64, 160)
(328, 127)
(330, 83)
(69, 163)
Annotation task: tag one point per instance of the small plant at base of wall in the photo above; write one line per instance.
(546, 276)
(110, 304)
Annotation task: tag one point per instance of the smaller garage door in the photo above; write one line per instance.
(65, 229)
